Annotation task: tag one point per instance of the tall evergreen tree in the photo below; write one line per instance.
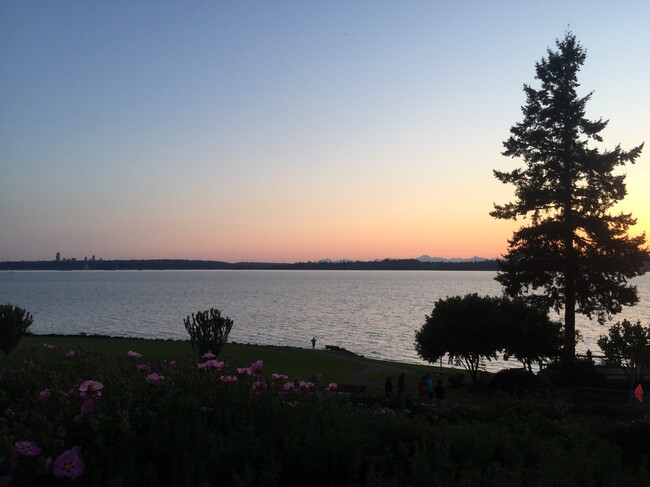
(574, 254)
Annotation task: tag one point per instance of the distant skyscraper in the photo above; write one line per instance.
(58, 256)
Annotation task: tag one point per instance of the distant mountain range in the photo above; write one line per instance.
(422, 258)
(426, 258)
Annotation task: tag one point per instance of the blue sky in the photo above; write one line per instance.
(286, 131)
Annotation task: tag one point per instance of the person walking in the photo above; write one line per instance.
(422, 388)
(429, 387)
(313, 343)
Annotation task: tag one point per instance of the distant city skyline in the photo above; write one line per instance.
(60, 257)
(292, 131)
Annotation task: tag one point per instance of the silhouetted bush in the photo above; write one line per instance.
(208, 331)
(518, 381)
(580, 373)
(14, 322)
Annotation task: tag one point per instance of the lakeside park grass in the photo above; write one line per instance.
(538, 437)
(298, 363)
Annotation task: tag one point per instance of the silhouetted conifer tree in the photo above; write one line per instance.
(574, 254)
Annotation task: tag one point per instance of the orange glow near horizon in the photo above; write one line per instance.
(304, 134)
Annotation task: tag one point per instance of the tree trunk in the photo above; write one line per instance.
(569, 273)
(569, 296)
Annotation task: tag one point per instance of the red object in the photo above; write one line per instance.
(638, 393)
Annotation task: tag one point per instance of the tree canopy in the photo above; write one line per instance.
(628, 346)
(473, 328)
(574, 254)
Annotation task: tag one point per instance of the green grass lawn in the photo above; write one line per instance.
(297, 363)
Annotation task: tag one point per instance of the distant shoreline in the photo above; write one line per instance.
(180, 264)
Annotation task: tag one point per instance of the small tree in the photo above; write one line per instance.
(528, 333)
(14, 322)
(208, 331)
(628, 346)
(462, 327)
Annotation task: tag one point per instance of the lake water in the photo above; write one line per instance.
(373, 313)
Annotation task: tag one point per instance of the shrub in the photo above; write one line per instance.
(14, 322)
(208, 331)
(517, 381)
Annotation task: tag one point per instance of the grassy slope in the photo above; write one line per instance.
(297, 363)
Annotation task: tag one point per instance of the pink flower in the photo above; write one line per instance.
(172, 363)
(208, 355)
(257, 387)
(49, 347)
(155, 378)
(44, 394)
(27, 448)
(332, 387)
(306, 385)
(6, 480)
(133, 354)
(211, 364)
(71, 354)
(69, 464)
(87, 406)
(142, 367)
(228, 378)
(256, 366)
(279, 376)
(90, 388)
(289, 386)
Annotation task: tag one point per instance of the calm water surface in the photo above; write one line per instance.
(374, 313)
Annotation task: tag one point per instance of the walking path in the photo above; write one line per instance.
(359, 377)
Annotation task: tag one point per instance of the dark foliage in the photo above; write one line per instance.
(628, 347)
(463, 328)
(581, 373)
(518, 381)
(208, 331)
(14, 322)
(473, 328)
(575, 254)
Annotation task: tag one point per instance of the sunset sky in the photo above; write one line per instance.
(285, 131)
